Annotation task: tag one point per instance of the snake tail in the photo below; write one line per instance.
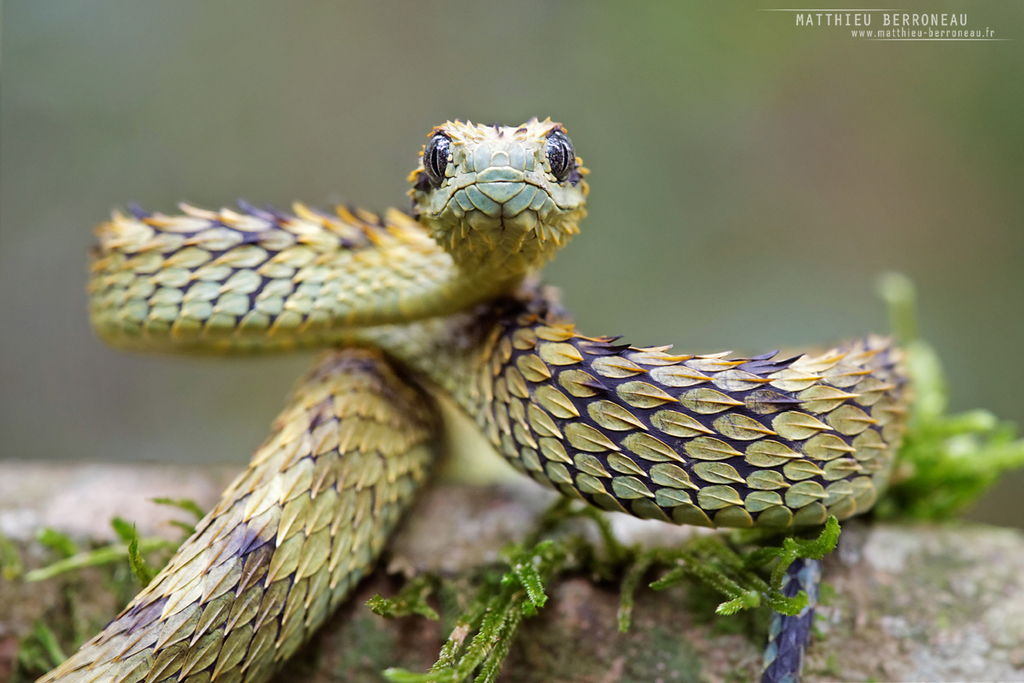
(788, 636)
(287, 542)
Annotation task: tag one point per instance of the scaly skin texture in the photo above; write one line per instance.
(445, 302)
(223, 282)
(702, 440)
(289, 539)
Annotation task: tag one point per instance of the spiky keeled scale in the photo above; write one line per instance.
(255, 280)
(704, 440)
(287, 542)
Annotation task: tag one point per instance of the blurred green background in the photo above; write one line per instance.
(750, 179)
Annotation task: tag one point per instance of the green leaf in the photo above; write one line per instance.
(183, 503)
(900, 296)
(142, 572)
(947, 461)
(92, 558)
(48, 640)
(187, 528)
(397, 675)
(634, 574)
(57, 541)
(124, 530)
(10, 559)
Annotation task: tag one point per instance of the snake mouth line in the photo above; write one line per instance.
(496, 200)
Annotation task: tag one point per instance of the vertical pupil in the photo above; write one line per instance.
(557, 158)
(560, 155)
(436, 158)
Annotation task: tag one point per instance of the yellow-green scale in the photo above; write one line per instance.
(216, 282)
(288, 541)
(704, 440)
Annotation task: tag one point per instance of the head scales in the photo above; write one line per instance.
(498, 206)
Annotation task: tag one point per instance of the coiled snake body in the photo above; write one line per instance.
(445, 303)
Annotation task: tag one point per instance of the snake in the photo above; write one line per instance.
(444, 305)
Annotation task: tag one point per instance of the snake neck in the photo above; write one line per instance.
(257, 281)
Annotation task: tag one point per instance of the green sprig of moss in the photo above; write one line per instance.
(132, 561)
(516, 591)
(947, 462)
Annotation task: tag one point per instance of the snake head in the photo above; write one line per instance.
(499, 198)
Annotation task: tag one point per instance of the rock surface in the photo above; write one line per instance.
(907, 603)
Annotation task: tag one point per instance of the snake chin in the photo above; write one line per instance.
(517, 243)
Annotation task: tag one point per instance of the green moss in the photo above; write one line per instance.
(412, 599)
(118, 568)
(947, 462)
(79, 612)
(730, 565)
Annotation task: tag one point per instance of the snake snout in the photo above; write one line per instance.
(500, 192)
(504, 185)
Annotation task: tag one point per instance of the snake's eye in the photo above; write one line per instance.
(435, 157)
(561, 156)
